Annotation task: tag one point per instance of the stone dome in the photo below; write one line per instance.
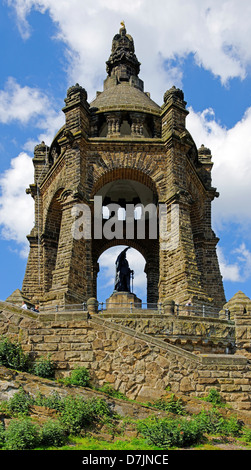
(123, 108)
(124, 97)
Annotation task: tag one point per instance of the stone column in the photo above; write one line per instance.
(73, 274)
(137, 124)
(113, 122)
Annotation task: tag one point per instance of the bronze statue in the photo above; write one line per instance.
(123, 273)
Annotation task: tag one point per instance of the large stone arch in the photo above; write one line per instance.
(124, 174)
(148, 247)
(135, 165)
(50, 237)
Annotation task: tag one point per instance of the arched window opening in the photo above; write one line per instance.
(106, 275)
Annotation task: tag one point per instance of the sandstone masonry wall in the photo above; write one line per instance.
(135, 363)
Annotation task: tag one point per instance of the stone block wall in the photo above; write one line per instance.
(193, 333)
(137, 364)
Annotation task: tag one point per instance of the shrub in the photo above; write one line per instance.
(214, 397)
(20, 402)
(172, 405)
(44, 367)
(21, 434)
(78, 413)
(2, 435)
(53, 401)
(80, 377)
(212, 422)
(247, 435)
(12, 355)
(232, 427)
(166, 433)
(53, 434)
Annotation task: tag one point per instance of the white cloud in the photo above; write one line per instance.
(27, 106)
(21, 103)
(230, 272)
(16, 208)
(231, 154)
(244, 259)
(31, 106)
(217, 33)
(240, 269)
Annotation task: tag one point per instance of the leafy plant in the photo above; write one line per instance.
(44, 367)
(53, 434)
(247, 435)
(20, 402)
(2, 435)
(172, 405)
(80, 377)
(12, 355)
(53, 401)
(212, 422)
(214, 397)
(21, 434)
(166, 433)
(78, 413)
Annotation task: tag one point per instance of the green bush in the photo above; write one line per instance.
(214, 397)
(247, 435)
(212, 422)
(12, 355)
(20, 402)
(232, 427)
(53, 401)
(44, 367)
(2, 435)
(79, 377)
(21, 434)
(78, 413)
(53, 434)
(166, 433)
(172, 405)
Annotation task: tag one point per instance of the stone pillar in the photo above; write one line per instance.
(152, 276)
(238, 309)
(73, 274)
(92, 305)
(137, 124)
(168, 307)
(113, 122)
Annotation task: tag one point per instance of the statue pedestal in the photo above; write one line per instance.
(123, 301)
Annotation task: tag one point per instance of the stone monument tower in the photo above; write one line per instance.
(122, 150)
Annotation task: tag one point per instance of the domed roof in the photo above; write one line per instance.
(124, 96)
(123, 89)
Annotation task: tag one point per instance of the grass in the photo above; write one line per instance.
(91, 443)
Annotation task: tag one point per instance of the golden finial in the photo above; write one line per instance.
(122, 24)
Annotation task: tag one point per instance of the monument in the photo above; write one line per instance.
(124, 150)
(123, 273)
(122, 296)
(118, 165)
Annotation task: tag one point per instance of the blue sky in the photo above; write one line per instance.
(201, 46)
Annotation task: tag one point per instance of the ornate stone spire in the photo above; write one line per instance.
(122, 62)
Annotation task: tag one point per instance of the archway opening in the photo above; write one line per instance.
(50, 238)
(126, 214)
(106, 275)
